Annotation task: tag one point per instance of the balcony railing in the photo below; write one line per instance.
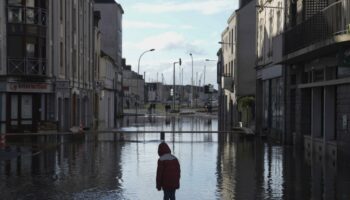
(227, 83)
(331, 21)
(26, 66)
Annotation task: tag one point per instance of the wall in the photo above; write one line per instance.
(343, 109)
(246, 43)
(2, 38)
(111, 29)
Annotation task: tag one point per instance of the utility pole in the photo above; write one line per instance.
(174, 92)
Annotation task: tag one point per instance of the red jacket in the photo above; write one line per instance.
(168, 170)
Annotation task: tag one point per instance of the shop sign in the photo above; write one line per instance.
(29, 87)
(62, 84)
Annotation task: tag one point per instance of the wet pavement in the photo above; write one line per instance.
(225, 166)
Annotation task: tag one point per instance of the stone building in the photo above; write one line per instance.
(238, 63)
(228, 54)
(46, 64)
(110, 26)
(244, 66)
(133, 87)
(270, 84)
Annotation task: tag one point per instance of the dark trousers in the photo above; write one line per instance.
(169, 194)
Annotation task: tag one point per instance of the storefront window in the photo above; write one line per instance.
(266, 102)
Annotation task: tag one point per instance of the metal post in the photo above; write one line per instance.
(137, 78)
(192, 94)
(162, 136)
(174, 87)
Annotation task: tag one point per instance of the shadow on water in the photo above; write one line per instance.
(213, 166)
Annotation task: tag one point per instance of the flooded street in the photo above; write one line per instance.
(226, 166)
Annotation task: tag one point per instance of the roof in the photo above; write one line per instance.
(111, 1)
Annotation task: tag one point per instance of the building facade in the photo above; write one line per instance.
(269, 83)
(316, 58)
(237, 68)
(244, 67)
(72, 43)
(106, 79)
(133, 88)
(228, 54)
(46, 64)
(110, 26)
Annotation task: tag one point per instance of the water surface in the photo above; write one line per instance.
(212, 166)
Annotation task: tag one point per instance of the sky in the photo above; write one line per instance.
(175, 28)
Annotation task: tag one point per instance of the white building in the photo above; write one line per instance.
(229, 104)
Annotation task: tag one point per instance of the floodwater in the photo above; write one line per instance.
(227, 166)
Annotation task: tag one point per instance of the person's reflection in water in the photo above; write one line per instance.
(168, 172)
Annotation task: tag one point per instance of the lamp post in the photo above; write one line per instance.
(206, 60)
(174, 92)
(137, 79)
(192, 95)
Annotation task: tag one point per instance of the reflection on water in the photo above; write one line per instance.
(212, 166)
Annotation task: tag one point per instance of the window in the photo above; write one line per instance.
(30, 16)
(15, 47)
(15, 2)
(15, 15)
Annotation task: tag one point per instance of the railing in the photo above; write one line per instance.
(26, 66)
(331, 21)
(227, 82)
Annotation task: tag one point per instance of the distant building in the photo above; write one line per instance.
(133, 87)
(154, 92)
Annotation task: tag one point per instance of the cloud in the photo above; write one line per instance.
(169, 41)
(206, 7)
(151, 25)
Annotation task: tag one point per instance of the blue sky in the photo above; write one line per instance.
(174, 28)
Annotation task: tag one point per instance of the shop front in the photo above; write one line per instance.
(29, 107)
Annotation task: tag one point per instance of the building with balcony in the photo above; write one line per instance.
(269, 83)
(317, 74)
(46, 64)
(26, 86)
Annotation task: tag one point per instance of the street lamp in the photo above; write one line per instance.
(192, 98)
(137, 79)
(207, 60)
(228, 43)
(174, 93)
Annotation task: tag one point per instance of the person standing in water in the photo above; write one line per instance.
(168, 172)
